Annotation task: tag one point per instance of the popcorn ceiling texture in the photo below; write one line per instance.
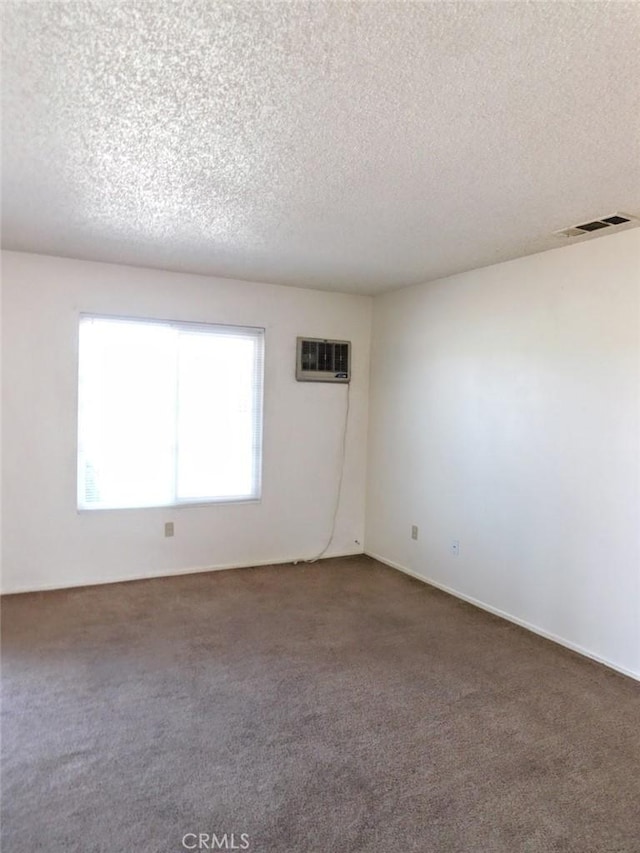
(346, 146)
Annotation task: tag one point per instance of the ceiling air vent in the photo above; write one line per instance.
(595, 225)
(319, 360)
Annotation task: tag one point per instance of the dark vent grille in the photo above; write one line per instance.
(592, 226)
(616, 220)
(327, 357)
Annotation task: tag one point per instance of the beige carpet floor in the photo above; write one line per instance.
(339, 706)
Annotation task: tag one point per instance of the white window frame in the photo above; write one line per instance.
(259, 334)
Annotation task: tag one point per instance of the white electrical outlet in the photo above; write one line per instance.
(455, 547)
(168, 528)
(414, 531)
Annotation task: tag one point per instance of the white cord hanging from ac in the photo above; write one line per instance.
(342, 463)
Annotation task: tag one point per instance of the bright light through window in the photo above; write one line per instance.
(169, 413)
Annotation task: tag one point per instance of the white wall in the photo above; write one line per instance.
(47, 543)
(504, 413)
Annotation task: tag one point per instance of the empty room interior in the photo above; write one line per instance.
(320, 426)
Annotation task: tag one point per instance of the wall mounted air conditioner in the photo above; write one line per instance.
(319, 360)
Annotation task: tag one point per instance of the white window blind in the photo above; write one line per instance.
(168, 413)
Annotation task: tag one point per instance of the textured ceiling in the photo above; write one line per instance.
(346, 146)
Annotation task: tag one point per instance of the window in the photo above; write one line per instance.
(168, 413)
